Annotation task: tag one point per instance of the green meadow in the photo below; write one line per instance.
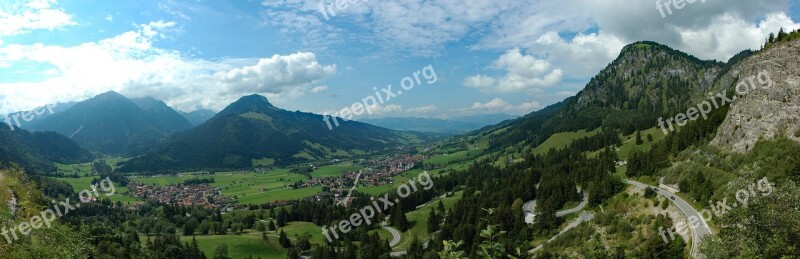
(249, 187)
(334, 170)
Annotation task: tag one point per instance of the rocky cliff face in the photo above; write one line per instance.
(764, 112)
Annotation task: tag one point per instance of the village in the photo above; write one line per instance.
(375, 172)
(203, 195)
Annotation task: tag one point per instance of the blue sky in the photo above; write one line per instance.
(489, 56)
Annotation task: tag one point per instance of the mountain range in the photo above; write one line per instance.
(36, 151)
(457, 125)
(251, 132)
(199, 116)
(114, 124)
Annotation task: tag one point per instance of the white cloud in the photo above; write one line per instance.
(494, 104)
(530, 106)
(577, 37)
(318, 89)
(714, 29)
(423, 109)
(109, 18)
(17, 18)
(728, 35)
(523, 73)
(273, 75)
(129, 63)
(582, 56)
(499, 105)
(480, 81)
(378, 109)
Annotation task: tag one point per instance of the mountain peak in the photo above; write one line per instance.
(255, 98)
(110, 95)
(250, 103)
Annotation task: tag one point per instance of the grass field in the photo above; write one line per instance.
(334, 170)
(83, 169)
(562, 140)
(449, 158)
(630, 146)
(399, 179)
(419, 221)
(276, 195)
(297, 229)
(249, 188)
(252, 243)
(84, 183)
(240, 246)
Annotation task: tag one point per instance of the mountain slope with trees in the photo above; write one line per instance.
(36, 151)
(648, 80)
(252, 129)
(113, 124)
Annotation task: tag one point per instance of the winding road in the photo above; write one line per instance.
(530, 207)
(395, 234)
(584, 217)
(699, 231)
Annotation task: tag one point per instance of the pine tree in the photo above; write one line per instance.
(781, 35)
(415, 250)
(293, 254)
(639, 140)
(282, 215)
(284, 240)
(271, 226)
(402, 224)
(433, 222)
(221, 252)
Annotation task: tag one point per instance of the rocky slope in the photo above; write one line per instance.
(766, 112)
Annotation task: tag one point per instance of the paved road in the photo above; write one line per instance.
(350, 193)
(573, 210)
(395, 234)
(584, 217)
(700, 231)
(530, 207)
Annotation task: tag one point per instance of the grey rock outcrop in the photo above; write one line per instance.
(763, 113)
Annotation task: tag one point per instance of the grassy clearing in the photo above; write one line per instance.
(562, 140)
(121, 193)
(83, 169)
(629, 146)
(240, 246)
(334, 170)
(296, 229)
(263, 162)
(419, 221)
(445, 159)
(399, 179)
(283, 194)
(249, 188)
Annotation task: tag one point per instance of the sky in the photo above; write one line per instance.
(456, 57)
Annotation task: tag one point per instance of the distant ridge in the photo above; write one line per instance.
(253, 129)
